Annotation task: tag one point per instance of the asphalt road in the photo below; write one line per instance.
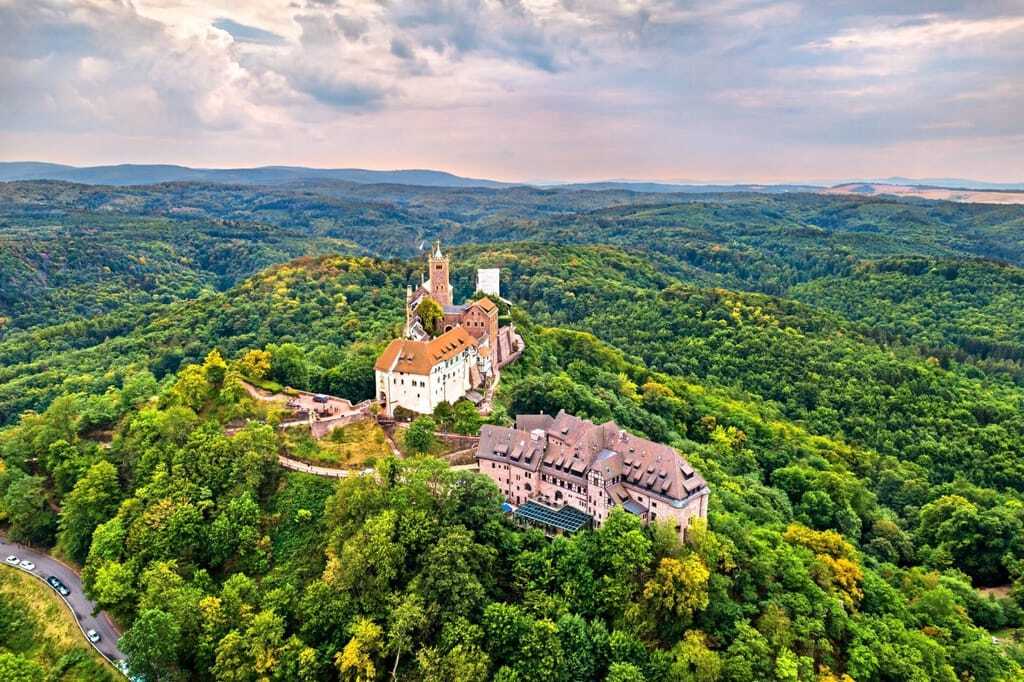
(80, 605)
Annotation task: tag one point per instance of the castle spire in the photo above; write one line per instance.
(440, 285)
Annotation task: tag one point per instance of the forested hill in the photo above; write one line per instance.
(970, 308)
(110, 244)
(844, 372)
(840, 529)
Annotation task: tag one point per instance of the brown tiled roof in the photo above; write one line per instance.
(418, 357)
(568, 428)
(529, 422)
(485, 303)
(504, 444)
(644, 467)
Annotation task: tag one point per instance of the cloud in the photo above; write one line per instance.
(248, 34)
(351, 26)
(921, 32)
(401, 49)
(519, 88)
(335, 89)
(125, 73)
(317, 29)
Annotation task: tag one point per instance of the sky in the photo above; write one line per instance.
(522, 90)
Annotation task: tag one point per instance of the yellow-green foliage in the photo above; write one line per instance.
(45, 632)
(356, 445)
(838, 568)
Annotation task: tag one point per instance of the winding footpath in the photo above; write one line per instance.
(327, 472)
(81, 607)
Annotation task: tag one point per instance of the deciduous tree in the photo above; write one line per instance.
(419, 437)
(152, 644)
(93, 500)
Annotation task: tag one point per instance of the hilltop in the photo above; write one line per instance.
(796, 475)
(843, 372)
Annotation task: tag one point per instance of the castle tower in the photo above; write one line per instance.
(440, 287)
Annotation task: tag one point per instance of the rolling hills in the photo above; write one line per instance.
(148, 174)
(844, 371)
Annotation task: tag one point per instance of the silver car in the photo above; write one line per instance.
(93, 636)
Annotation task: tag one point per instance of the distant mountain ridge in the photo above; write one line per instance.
(148, 174)
(687, 188)
(930, 192)
(947, 183)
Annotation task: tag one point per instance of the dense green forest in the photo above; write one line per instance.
(970, 308)
(844, 372)
(173, 239)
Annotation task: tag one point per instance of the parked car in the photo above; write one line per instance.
(320, 398)
(56, 584)
(93, 636)
(12, 560)
(27, 565)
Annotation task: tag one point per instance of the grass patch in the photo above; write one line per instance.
(36, 625)
(266, 384)
(355, 446)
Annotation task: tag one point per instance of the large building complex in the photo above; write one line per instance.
(564, 473)
(460, 352)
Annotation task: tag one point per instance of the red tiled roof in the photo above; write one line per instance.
(485, 303)
(419, 357)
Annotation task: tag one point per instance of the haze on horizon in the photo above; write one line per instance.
(522, 90)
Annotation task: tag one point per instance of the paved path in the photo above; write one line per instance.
(80, 606)
(336, 406)
(465, 467)
(296, 465)
(328, 472)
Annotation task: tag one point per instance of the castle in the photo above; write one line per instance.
(563, 473)
(447, 358)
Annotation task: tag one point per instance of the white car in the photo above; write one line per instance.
(12, 560)
(27, 565)
(93, 636)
